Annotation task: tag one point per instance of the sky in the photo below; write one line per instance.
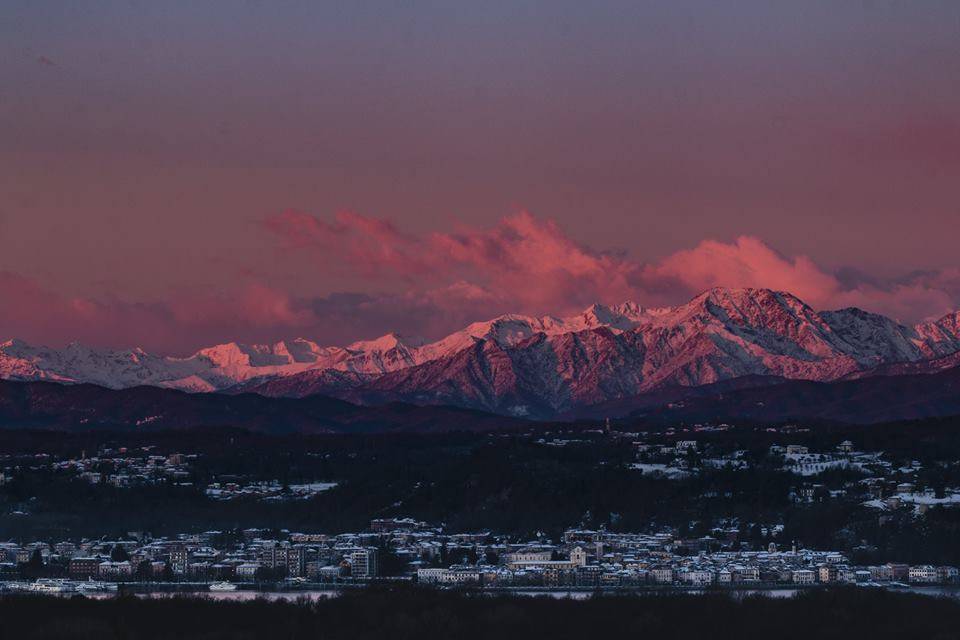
(178, 174)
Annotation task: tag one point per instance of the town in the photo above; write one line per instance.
(729, 542)
(409, 550)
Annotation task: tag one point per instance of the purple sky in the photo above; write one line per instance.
(179, 173)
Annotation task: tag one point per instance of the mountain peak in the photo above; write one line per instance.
(598, 313)
(606, 351)
(629, 309)
(747, 300)
(225, 354)
(743, 293)
(621, 317)
(386, 342)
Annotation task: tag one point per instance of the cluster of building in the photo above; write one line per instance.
(200, 558)
(682, 458)
(798, 459)
(602, 559)
(417, 551)
(270, 490)
(118, 467)
(881, 484)
(122, 467)
(404, 548)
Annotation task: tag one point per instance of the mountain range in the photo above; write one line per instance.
(541, 367)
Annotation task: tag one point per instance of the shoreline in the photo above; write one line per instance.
(253, 591)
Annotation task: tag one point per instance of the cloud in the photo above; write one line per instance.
(178, 324)
(29, 311)
(185, 322)
(430, 284)
(908, 299)
(527, 264)
(373, 245)
(747, 262)
(521, 261)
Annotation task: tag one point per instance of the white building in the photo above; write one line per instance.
(804, 576)
(115, 569)
(363, 563)
(747, 574)
(460, 575)
(662, 575)
(578, 557)
(430, 575)
(683, 446)
(698, 577)
(827, 573)
(529, 556)
(923, 573)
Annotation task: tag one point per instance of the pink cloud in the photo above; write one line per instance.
(255, 312)
(747, 262)
(523, 260)
(433, 283)
(254, 305)
(178, 324)
(31, 312)
(528, 264)
(373, 244)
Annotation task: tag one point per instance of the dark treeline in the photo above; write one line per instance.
(931, 439)
(468, 482)
(935, 438)
(402, 613)
(503, 483)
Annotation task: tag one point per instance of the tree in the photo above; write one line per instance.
(390, 563)
(119, 554)
(266, 574)
(145, 571)
(33, 568)
(471, 556)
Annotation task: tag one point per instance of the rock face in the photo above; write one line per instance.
(540, 367)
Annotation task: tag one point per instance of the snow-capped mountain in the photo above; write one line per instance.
(538, 366)
(225, 365)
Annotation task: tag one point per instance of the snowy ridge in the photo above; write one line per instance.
(225, 365)
(517, 364)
